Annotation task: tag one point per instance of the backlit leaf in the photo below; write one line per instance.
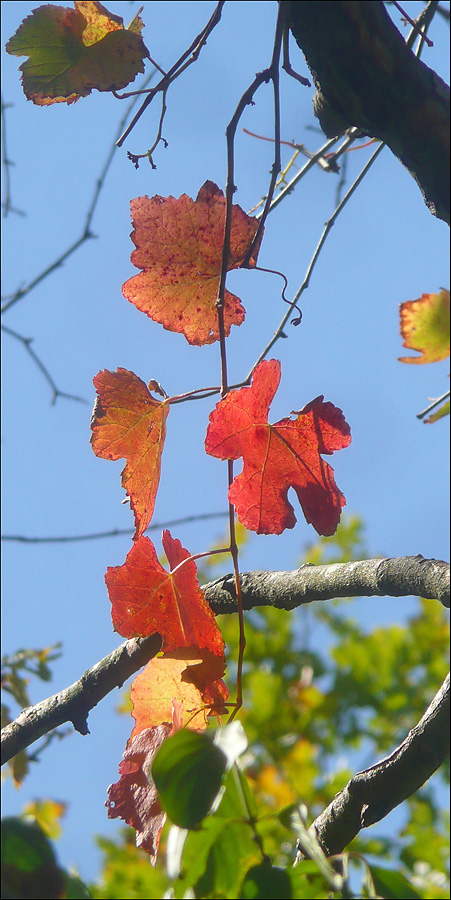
(73, 51)
(128, 422)
(146, 599)
(179, 248)
(425, 327)
(134, 798)
(188, 771)
(276, 457)
(180, 676)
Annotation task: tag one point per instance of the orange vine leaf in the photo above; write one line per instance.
(146, 599)
(179, 248)
(128, 422)
(73, 51)
(277, 457)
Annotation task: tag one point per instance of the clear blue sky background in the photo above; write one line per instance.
(384, 249)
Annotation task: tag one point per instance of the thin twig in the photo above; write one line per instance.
(26, 342)
(115, 532)
(432, 406)
(330, 222)
(6, 165)
(413, 23)
(182, 63)
(86, 231)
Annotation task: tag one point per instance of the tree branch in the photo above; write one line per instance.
(373, 793)
(366, 76)
(402, 577)
(74, 703)
(284, 590)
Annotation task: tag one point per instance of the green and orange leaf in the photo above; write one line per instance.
(128, 422)
(73, 51)
(146, 599)
(179, 248)
(277, 457)
(425, 325)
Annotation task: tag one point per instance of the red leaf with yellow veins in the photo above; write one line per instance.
(425, 327)
(128, 422)
(73, 51)
(147, 599)
(277, 457)
(179, 248)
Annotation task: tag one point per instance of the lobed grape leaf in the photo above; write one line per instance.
(425, 327)
(179, 248)
(276, 457)
(73, 51)
(128, 422)
(146, 599)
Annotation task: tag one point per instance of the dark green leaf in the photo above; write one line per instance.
(188, 771)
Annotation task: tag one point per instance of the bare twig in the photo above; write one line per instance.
(330, 222)
(6, 165)
(86, 231)
(55, 391)
(432, 405)
(415, 25)
(188, 57)
(115, 532)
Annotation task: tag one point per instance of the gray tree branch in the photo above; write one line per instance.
(366, 76)
(411, 575)
(74, 703)
(398, 577)
(373, 793)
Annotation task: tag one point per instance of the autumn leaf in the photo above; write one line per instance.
(134, 798)
(128, 422)
(146, 599)
(179, 248)
(276, 457)
(170, 693)
(425, 327)
(73, 51)
(188, 676)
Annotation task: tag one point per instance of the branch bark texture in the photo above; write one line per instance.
(74, 703)
(366, 76)
(401, 577)
(284, 590)
(373, 793)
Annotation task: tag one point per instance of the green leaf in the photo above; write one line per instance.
(267, 882)
(188, 771)
(29, 866)
(392, 885)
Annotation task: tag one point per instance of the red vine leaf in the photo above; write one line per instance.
(128, 422)
(134, 798)
(425, 327)
(276, 457)
(73, 51)
(179, 248)
(147, 599)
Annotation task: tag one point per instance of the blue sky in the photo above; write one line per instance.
(384, 249)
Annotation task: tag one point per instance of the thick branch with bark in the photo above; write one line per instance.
(410, 575)
(366, 76)
(402, 577)
(373, 793)
(75, 702)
